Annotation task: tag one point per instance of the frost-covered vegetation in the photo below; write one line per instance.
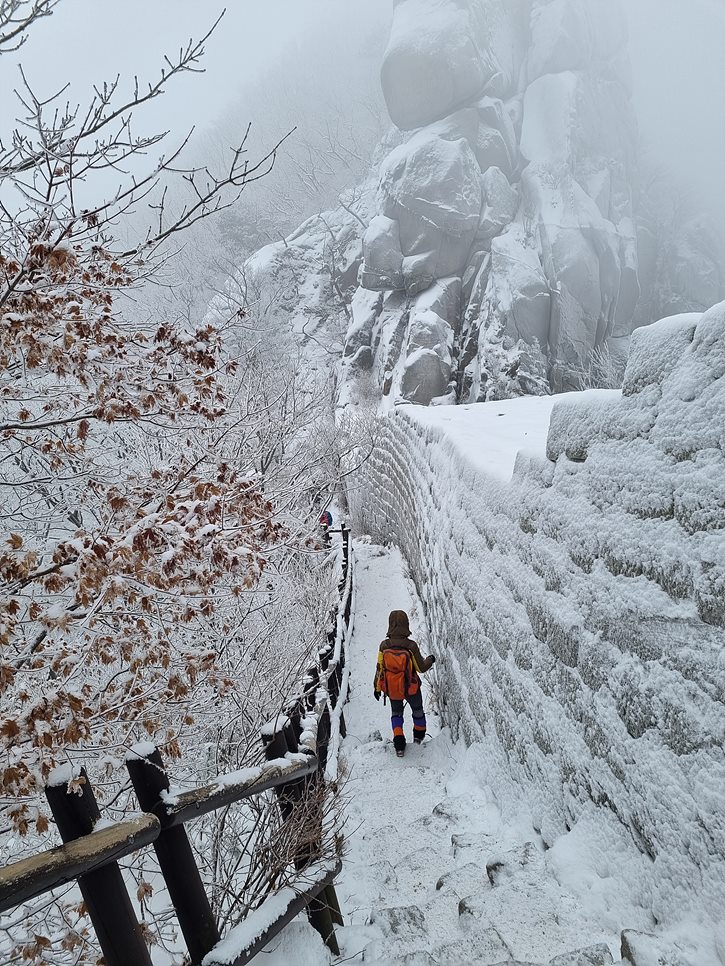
(161, 477)
(329, 121)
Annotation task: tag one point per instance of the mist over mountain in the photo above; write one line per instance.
(527, 211)
(678, 76)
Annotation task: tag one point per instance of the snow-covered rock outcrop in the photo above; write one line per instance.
(579, 610)
(518, 181)
(511, 183)
(297, 291)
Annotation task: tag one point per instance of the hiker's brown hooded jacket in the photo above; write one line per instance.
(399, 636)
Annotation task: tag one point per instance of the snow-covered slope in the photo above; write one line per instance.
(580, 608)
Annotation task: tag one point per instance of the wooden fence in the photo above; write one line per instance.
(296, 750)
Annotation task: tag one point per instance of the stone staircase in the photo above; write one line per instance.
(472, 903)
(475, 905)
(444, 866)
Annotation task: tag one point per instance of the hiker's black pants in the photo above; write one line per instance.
(396, 716)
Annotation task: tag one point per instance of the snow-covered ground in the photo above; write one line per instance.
(441, 869)
(492, 435)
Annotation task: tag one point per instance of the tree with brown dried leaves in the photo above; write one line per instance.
(148, 474)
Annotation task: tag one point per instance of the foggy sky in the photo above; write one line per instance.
(89, 41)
(676, 49)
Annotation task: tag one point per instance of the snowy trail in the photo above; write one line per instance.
(420, 831)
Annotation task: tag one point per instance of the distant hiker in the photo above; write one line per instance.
(399, 664)
(325, 524)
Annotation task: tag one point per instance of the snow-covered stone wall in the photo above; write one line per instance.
(578, 610)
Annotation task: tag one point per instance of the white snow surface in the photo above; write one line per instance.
(578, 608)
(297, 945)
(142, 749)
(62, 775)
(492, 434)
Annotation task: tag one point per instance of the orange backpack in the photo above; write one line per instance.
(398, 678)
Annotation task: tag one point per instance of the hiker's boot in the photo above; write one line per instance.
(399, 745)
(419, 729)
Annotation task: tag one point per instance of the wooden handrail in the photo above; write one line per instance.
(187, 806)
(29, 878)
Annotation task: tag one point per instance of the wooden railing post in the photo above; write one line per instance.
(295, 712)
(320, 910)
(312, 680)
(103, 890)
(290, 736)
(323, 739)
(345, 535)
(338, 673)
(333, 684)
(333, 903)
(320, 916)
(348, 606)
(276, 745)
(345, 547)
(176, 859)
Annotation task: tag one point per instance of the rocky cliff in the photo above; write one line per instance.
(505, 232)
(495, 246)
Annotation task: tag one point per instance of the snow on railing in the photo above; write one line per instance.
(260, 926)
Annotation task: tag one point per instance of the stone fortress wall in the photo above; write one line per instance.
(579, 611)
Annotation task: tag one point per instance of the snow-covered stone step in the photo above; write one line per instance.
(478, 952)
(472, 846)
(482, 946)
(399, 925)
(464, 880)
(644, 949)
(525, 859)
(591, 956)
(421, 958)
(596, 956)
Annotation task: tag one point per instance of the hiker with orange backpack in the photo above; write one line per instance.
(397, 675)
